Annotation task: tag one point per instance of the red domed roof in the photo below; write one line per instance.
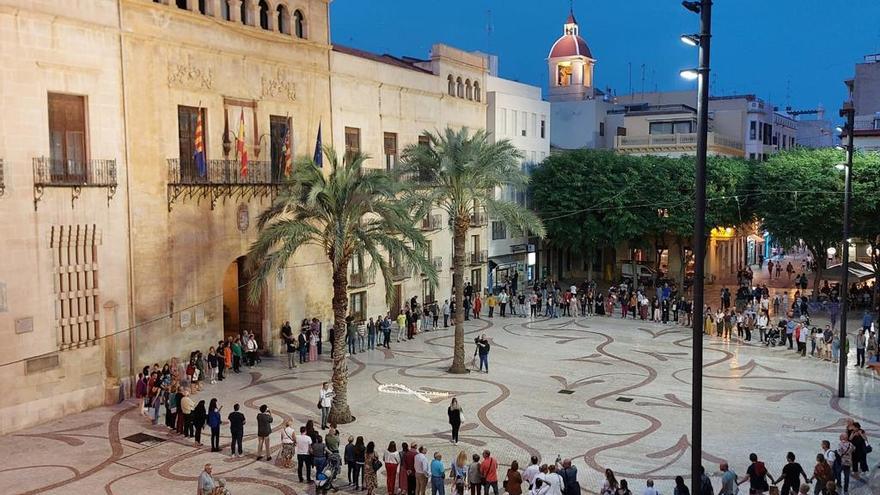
(570, 45)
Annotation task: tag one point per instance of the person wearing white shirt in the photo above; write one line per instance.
(422, 470)
(650, 490)
(540, 488)
(301, 449)
(531, 472)
(206, 481)
(326, 401)
(555, 485)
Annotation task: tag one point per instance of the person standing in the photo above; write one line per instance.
(206, 481)
(236, 429)
(792, 472)
(728, 480)
(371, 461)
(214, 424)
(314, 340)
(386, 331)
(454, 413)
(351, 334)
(186, 407)
(490, 303)
(290, 344)
(489, 473)
(513, 480)
(264, 429)
(569, 475)
(478, 306)
(288, 446)
(401, 326)
(303, 343)
(474, 477)
(553, 480)
(446, 313)
(303, 458)
(822, 474)
(861, 343)
(199, 417)
(483, 351)
(325, 401)
(372, 327)
(391, 459)
(409, 467)
(360, 456)
(757, 476)
(422, 470)
(530, 473)
(438, 473)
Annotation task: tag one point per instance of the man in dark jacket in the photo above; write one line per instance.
(569, 476)
(236, 428)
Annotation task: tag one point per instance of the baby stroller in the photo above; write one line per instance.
(774, 337)
(324, 479)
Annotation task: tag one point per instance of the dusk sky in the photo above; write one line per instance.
(795, 52)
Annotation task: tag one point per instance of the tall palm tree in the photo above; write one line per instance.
(459, 172)
(351, 212)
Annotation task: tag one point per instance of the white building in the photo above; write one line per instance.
(515, 112)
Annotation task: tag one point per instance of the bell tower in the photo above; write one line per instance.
(570, 65)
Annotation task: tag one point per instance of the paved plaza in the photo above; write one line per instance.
(626, 407)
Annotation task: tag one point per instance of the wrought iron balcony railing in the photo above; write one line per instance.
(479, 257)
(437, 262)
(400, 272)
(73, 174)
(479, 218)
(432, 222)
(222, 179)
(359, 279)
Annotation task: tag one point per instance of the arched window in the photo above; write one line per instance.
(264, 15)
(246, 12)
(477, 95)
(468, 90)
(299, 25)
(283, 20)
(459, 88)
(450, 82)
(203, 8)
(181, 4)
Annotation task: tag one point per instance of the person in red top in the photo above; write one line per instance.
(478, 306)
(489, 470)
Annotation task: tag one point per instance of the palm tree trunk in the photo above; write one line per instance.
(340, 413)
(459, 232)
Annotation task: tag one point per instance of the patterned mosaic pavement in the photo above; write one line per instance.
(628, 409)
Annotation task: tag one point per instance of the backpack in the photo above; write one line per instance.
(760, 469)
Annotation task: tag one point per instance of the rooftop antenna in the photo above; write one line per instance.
(630, 69)
(788, 92)
(643, 80)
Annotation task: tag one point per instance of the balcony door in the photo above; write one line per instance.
(67, 138)
(187, 119)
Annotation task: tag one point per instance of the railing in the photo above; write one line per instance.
(72, 174)
(432, 222)
(479, 257)
(674, 140)
(399, 272)
(866, 123)
(2, 180)
(437, 263)
(359, 279)
(223, 172)
(49, 172)
(479, 218)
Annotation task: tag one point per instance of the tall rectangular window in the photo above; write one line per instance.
(278, 129)
(352, 142)
(524, 124)
(68, 148)
(390, 150)
(424, 140)
(543, 127)
(427, 292)
(534, 125)
(753, 131)
(601, 129)
(502, 122)
(499, 230)
(187, 118)
(357, 306)
(513, 125)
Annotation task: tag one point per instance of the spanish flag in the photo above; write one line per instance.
(241, 147)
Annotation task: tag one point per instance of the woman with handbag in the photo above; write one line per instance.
(372, 465)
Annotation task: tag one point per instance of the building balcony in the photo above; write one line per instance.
(437, 263)
(399, 272)
(73, 174)
(432, 222)
(221, 180)
(478, 257)
(677, 144)
(479, 218)
(358, 280)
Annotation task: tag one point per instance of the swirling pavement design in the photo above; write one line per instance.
(629, 409)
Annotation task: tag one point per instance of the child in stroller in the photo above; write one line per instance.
(325, 477)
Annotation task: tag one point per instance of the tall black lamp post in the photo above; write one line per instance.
(849, 112)
(701, 74)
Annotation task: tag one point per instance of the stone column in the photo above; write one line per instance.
(213, 7)
(235, 10)
(270, 16)
(577, 73)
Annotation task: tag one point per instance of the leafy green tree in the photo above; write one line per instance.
(350, 212)
(865, 214)
(458, 172)
(797, 195)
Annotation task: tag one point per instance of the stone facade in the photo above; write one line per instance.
(129, 236)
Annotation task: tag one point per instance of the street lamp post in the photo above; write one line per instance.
(704, 9)
(849, 112)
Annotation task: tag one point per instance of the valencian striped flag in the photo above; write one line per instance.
(241, 146)
(285, 153)
(199, 154)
